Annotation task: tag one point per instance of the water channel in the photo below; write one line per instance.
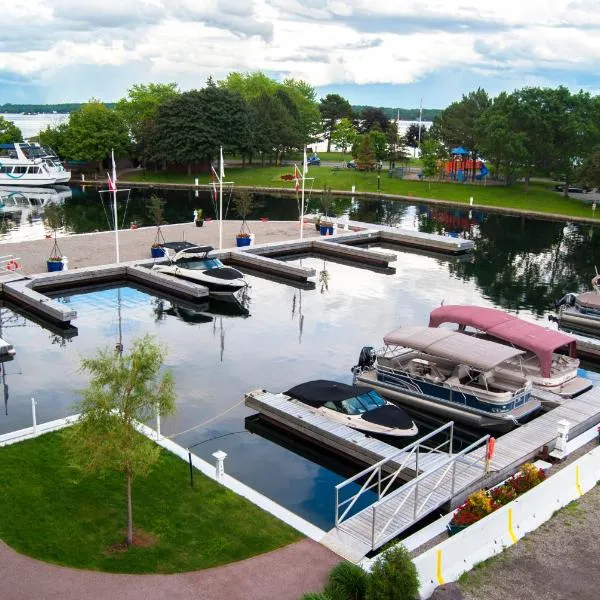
(286, 335)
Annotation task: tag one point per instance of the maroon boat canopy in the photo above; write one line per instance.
(522, 334)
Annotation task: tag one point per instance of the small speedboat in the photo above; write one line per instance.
(581, 312)
(358, 407)
(193, 263)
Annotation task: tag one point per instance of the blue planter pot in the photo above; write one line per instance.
(242, 241)
(326, 229)
(157, 252)
(454, 529)
(54, 265)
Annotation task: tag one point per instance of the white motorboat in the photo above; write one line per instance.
(358, 407)
(550, 356)
(17, 169)
(50, 159)
(448, 373)
(193, 263)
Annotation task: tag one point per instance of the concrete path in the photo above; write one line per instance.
(285, 574)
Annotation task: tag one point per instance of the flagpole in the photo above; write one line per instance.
(114, 173)
(304, 169)
(221, 199)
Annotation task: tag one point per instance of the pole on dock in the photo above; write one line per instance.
(191, 469)
(219, 469)
(304, 173)
(114, 191)
(158, 436)
(33, 415)
(221, 176)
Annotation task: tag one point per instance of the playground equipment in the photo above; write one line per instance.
(461, 168)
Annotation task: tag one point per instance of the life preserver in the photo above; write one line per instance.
(12, 265)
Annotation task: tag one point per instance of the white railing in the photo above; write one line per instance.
(381, 476)
(420, 491)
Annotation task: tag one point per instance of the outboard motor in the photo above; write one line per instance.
(366, 360)
(567, 300)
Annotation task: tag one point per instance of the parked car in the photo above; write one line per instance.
(314, 161)
(351, 164)
(573, 189)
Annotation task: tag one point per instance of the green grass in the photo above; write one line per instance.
(539, 198)
(50, 512)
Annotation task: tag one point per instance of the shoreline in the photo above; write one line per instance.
(373, 195)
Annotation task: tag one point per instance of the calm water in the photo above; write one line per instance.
(286, 336)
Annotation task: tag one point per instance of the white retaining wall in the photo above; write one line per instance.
(503, 528)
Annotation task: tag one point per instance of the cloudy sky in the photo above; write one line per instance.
(382, 52)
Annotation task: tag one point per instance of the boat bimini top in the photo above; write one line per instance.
(454, 346)
(186, 250)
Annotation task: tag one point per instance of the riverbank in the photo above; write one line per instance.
(541, 201)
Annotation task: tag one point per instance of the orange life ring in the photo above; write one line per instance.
(12, 265)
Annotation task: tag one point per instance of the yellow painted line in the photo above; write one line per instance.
(577, 483)
(440, 578)
(511, 531)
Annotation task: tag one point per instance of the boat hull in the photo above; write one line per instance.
(26, 181)
(471, 416)
(216, 287)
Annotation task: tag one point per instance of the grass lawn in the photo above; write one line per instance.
(540, 197)
(49, 511)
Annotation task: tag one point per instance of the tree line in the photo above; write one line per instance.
(529, 132)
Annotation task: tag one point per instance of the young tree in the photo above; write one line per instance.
(430, 155)
(344, 134)
(363, 152)
(9, 132)
(333, 107)
(379, 143)
(123, 390)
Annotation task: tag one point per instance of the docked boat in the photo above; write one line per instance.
(16, 168)
(50, 159)
(450, 374)
(550, 356)
(581, 312)
(193, 263)
(358, 407)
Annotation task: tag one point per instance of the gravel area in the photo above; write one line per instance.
(93, 249)
(557, 561)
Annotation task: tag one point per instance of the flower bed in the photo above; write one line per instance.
(481, 503)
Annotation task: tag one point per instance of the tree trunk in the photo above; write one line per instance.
(129, 512)
(329, 142)
(189, 169)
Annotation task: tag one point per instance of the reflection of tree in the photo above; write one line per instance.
(324, 276)
(59, 340)
(385, 212)
(529, 263)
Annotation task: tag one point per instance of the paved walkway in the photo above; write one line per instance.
(285, 574)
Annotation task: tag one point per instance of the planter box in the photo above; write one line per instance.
(326, 229)
(54, 265)
(199, 223)
(157, 252)
(242, 241)
(454, 529)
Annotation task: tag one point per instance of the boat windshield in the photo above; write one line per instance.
(358, 405)
(198, 264)
(372, 400)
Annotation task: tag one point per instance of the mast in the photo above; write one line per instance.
(420, 120)
(221, 175)
(114, 191)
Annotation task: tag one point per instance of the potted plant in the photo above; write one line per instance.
(325, 226)
(243, 207)
(157, 204)
(318, 222)
(54, 219)
(198, 218)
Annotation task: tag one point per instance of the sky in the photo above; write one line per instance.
(379, 52)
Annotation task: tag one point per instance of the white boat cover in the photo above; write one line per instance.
(452, 345)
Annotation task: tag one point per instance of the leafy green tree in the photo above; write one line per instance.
(333, 108)
(308, 115)
(379, 143)
(589, 174)
(140, 108)
(363, 152)
(412, 136)
(393, 577)
(124, 390)
(371, 117)
(56, 138)
(431, 152)
(9, 132)
(94, 130)
(344, 134)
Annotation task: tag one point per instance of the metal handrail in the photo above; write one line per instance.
(413, 486)
(408, 452)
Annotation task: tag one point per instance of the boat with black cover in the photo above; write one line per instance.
(193, 263)
(355, 406)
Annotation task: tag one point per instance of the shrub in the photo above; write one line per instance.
(347, 581)
(393, 577)
(315, 596)
(502, 495)
(528, 477)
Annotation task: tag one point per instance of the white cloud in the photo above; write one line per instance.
(323, 41)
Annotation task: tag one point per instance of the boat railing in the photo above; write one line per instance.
(422, 495)
(380, 477)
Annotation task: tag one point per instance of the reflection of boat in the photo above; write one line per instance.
(547, 370)
(581, 311)
(193, 263)
(358, 407)
(201, 313)
(16, 168)
(450, 374)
